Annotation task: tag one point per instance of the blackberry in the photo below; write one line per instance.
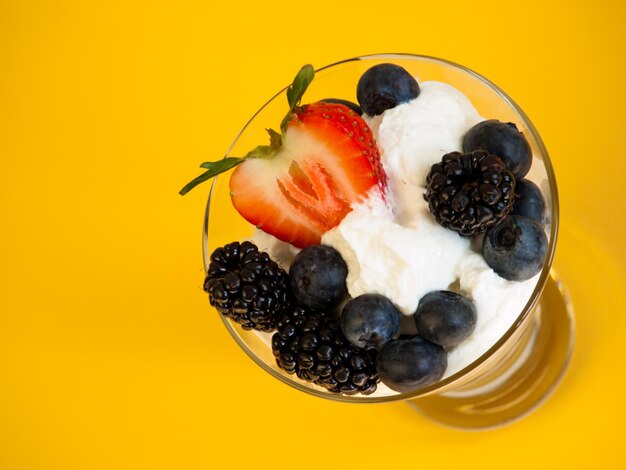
(245, 285)
(311, 345)
(469, 192)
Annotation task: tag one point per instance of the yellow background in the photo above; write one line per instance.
(110, 356)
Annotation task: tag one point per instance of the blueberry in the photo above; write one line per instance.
(384, 86)
(445, 318)
(318, 277)
(353, 106)
(369, 321)
(407, 364)
(529, 201)
(503, 140)
(516, 248)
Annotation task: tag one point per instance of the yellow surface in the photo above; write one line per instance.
(110, 357)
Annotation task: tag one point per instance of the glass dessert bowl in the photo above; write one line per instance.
(513, 373)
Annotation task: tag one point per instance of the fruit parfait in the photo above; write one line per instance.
(397, 237)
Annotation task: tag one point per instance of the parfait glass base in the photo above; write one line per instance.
(523, 382)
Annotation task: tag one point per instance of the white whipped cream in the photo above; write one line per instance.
(498, 303)
(414, 135)
(401, 262)
(406, 254)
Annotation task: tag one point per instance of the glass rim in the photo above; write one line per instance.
(545, 272)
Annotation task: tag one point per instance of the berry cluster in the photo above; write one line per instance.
(347, 354)
(246, 286)
(484, 190)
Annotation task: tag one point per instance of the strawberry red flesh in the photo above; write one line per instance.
(327, 162)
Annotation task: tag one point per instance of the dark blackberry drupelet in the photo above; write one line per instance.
(244, 284)
(310, 344)
(469, 192)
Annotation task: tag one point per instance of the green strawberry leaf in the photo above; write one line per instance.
(296, 91)
(213, 169)
(221, 166)
(294, 95)
(276, 139)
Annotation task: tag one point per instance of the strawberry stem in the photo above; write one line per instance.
(296, 91)
(294, 95)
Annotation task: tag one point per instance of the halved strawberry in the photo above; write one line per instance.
(327, 161)
(305, 182)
